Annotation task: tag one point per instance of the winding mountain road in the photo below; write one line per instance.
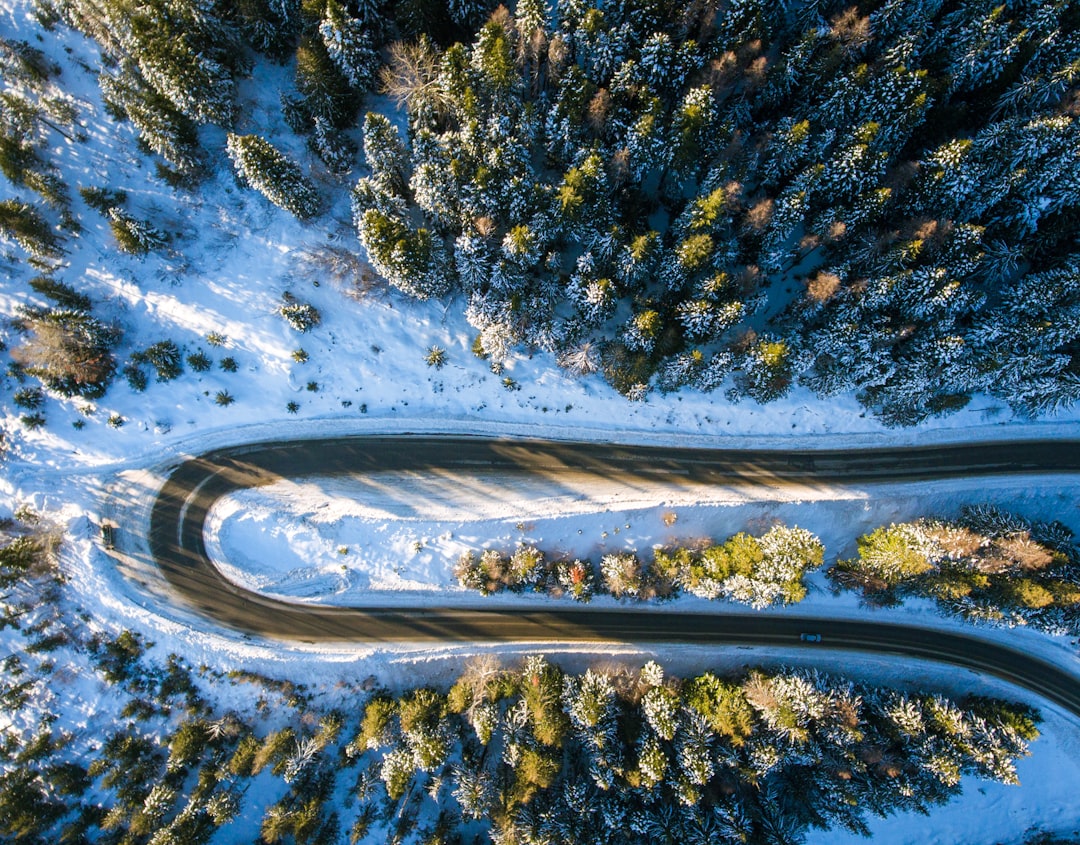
(181, 507)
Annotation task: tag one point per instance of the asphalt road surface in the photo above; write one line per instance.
(178, 514)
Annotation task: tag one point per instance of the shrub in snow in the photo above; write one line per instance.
(576, 577)
(28, 398)
(989, 565)
(134, 236)
(32, 421)
(623, 575)
(199, 362)
(301, 316)
(469, 573)
(165, 357)
(525, 568)
(135, 376)
(435, 357)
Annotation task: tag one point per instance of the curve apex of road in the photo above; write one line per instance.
(180, 509)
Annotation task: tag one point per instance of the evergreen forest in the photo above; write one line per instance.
(878, 199)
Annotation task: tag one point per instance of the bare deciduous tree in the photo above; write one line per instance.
(411, 78)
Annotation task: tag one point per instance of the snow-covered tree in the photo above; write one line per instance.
(350, 45)
(262, 166)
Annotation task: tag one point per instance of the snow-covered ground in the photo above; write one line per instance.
(314, 539)
(397, 536)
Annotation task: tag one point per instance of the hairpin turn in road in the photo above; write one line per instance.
(181, 507)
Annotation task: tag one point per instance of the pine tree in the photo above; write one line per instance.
(162, 127)
(70, 351)
(413, 260)
(1027, 338)
(350, 45)
(325, 92)
(695, 135)
(269, 26)
(767, 369)
(981, 40)
(134, 236)
(198, 85)
(385, 154)
(262, 166)
(27, 227)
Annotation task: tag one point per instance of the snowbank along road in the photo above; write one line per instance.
(180, 509)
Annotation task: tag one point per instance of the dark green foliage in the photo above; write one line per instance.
(767, 371)
(165, 357)
(27, 810)
(24, 123)
(163, 128)
(292, 407)
(65, 296)
(176, 680)
(129, 765)
(103, 199)
(118, 658)
(180, 56)
(412, 259)
(638, 750)
(724, 706)
(25, 225)
(228, 364)
(262, 166)
(188, 744)
(70, 351)
(32, 421)
(69, 779)
(136, 377)
(29, 398)
(223, 398)
(22, 61)
(325, 92)
(22, 558)
(268, 27)
(134, 236)
(423, 17)
(767, 145)
(635, 177)
(198, 361)
(17, 158)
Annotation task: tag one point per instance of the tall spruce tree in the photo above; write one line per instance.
(259, 164)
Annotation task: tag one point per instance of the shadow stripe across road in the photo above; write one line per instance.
(180, 509)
